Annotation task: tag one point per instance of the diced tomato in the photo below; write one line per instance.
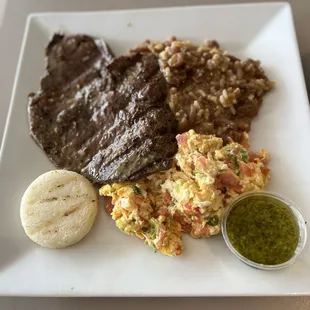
(178, 250)
(186, 227)
(229, 164)
(182, 139)
(188, 205)
(230, 180)
(167, 197)
(245, 169)
(219, 185)
(201, 231)
(188, 208)
(108, 205)
(197, 211)
(206, 231)
(263, 160)
(203, 161)
(265, 171)
(161, 237)
(163, 211)
(252, 157)
(178, 217)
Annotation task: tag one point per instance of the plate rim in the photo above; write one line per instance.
(15, 86)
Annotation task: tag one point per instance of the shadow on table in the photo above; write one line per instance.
(236, 303)
(306, 66)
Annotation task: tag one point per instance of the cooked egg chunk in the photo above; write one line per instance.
(58, 209)
(190, 197)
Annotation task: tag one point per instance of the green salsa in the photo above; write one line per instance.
(263, 229)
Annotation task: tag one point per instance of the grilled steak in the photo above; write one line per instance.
(105, 118)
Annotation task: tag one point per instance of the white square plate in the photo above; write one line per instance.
(109, 263)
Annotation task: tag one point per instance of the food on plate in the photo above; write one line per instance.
(141, 139)
(102, 116)
(115, 120)
(135, 213)
(210, 90)
(263, 229)
(58, 209)
(191, 196)
(59, 113)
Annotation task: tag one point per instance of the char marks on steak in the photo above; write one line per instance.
(104, 117)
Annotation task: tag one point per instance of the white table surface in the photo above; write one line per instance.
(12, 20)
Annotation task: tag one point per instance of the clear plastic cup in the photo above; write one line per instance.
(295, 211)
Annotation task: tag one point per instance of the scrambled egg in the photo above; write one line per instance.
(191, 196)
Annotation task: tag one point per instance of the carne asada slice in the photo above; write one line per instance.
(105, 118)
